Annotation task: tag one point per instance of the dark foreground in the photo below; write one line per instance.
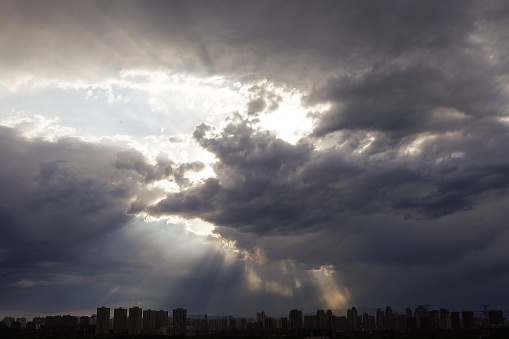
(482, 333)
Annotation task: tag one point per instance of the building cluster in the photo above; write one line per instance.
(422, 317)
(138, 321)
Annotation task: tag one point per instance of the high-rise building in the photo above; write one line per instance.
(223, 324)
(149, 321)
(371, 322)
(455, 320)
(328, 319)
(421, 317)
(389, 318)
(103, 321)
(342, 324)
(243, 324)
(135, 320)
(295, 320)
(269, 323)
(320, 319)
(402, 321)
(410, 320)
(310, 321)
(368, 322)
(179, 321)
(120, 320)
(468, 319)
(380, 319)
(283, 324)
(496, 317)
(353, 321)
(445, 319)
(162, 321)
(213, 325)
(260, 319)
(434, 319)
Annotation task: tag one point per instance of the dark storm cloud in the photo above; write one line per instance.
(379, 208)
(403, 101)
(264, 184)
(56, 196)
(285, 42)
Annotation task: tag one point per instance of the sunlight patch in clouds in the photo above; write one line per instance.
(256, 284)
(330, 292)
(38, 126)
(199, 227)
(414, 147)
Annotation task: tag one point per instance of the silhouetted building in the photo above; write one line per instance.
(162, 322)
(63, 325)
(135, 320)
(223, 324)
(468, 319)
(395, 315)
(260, 319)
(410, 319)
(213, 325)
(368, 322)
(320, 319)
(380, 319)
(434, 319)
(84, 320)
(389, 318)
(455, 320)
(402, 322)
(269, 323)
(283, 324)
(120, 320)
(295, 320)
(342, 323)
(103, 321)
(421, 317)
(310, 321)
(179, 321)
(328, 319)
(22, 322)
(445, 319)
(149, 321)
(496, 317)
(352, 319)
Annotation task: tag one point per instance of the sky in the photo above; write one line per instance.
(232, 157)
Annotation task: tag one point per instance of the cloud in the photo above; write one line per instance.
(401, 186)
(30, 283)
(58, 195)
(293, 43)
(402, 101)
(264, 184)
(339, 206)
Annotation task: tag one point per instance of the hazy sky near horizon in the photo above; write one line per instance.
(229, 157)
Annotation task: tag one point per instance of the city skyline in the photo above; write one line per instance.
(238, 156)
(149, 321)
(481, 311)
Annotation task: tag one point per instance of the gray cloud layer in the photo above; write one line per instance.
(290, 42)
